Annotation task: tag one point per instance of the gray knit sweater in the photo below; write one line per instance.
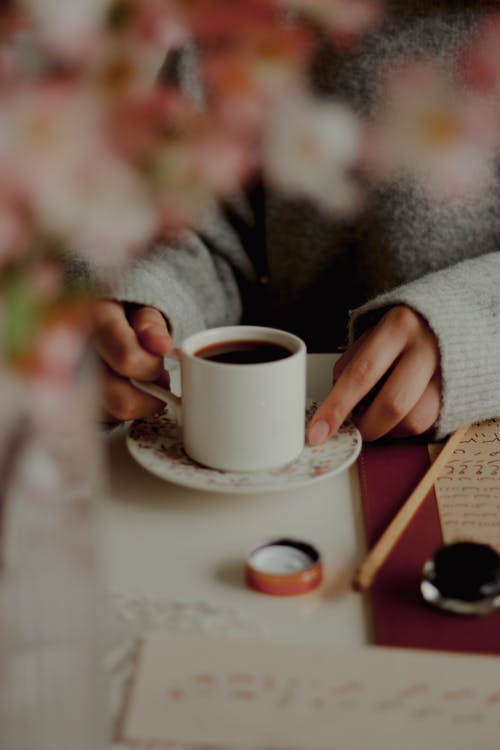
(283, 263)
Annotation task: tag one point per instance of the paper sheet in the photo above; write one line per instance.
(258, 694)
(468, 490)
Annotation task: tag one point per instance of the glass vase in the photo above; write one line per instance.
(51, 480)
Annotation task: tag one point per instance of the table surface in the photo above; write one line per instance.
(169, 543)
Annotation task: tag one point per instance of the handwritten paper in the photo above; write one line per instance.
(468, 490)
(260, 694)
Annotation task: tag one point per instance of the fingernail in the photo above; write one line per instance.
(157, 331)
(319, 432)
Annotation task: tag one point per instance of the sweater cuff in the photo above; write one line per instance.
(144, 287)
(470, 360)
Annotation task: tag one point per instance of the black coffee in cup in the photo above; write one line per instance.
(243, 352)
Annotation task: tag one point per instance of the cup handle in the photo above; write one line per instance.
(169, 398)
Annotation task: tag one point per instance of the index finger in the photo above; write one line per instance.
(362, 372)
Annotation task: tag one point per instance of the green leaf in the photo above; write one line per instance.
(22, 318)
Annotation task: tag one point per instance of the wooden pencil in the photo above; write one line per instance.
(368, 569)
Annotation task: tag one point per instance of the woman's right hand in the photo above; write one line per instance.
(131, 343)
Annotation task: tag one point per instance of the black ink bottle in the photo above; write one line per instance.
(463, 578)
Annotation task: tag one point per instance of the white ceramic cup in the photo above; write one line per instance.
(240, 417)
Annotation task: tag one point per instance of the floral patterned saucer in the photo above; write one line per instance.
(156, 444)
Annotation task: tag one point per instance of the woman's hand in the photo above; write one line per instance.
(389, 378)
(130, 346)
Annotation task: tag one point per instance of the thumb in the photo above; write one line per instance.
(151, 329)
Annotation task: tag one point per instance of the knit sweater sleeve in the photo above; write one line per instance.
(462, 306)
(194, 281)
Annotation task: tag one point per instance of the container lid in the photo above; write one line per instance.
(284, 567)
(463, 577)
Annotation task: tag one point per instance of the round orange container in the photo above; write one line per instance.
(284, 567)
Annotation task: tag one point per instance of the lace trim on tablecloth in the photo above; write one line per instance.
(130, 618)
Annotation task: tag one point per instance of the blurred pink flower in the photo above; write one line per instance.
(346, 21)
(259, 60)
(55, 155)
(217, 22)
(158, 22)
(311, 150)
(190, 174)
(187, 157)
(479, 62)
(254, 77)
(224, 162)
(140, 123)
(430, 129)
(45, 279)
(14, 231)
(58, 351)
(9, 68)
(139, 35)
(118, 69)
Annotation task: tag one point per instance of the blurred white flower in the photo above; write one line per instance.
(45, 133)
(432, 130)
(345, 20)
(110, 213)
(224, 162)
(55, 156)
(310, 150)
(68, 27)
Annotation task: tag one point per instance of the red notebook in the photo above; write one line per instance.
(388, 474)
